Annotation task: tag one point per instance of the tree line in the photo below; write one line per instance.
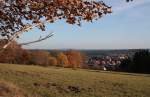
(139, 63)
(15, 54)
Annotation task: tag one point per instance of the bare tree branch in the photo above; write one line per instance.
(24, 29)
(40, 39)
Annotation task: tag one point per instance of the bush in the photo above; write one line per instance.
(52, 61)
(75, 58)
(40, 58)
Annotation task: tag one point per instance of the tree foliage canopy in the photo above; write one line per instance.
(17, 15)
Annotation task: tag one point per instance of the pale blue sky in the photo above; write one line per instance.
(127, 27)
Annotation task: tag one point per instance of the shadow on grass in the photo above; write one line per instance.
(120, 73)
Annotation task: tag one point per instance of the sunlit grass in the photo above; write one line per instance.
(65, 82)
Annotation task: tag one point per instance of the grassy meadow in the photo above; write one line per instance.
(35, 81)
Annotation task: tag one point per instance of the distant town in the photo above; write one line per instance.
(106, 62)
(107, 59)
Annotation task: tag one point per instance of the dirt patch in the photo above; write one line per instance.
(74, 89)
(62, 89)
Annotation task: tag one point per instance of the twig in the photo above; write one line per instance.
(40, 39)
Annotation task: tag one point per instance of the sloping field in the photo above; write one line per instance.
(35, 81)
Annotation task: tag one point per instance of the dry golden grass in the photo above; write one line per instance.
(64, 82)
(8, 89)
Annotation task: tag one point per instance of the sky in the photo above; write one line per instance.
(128, 27)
